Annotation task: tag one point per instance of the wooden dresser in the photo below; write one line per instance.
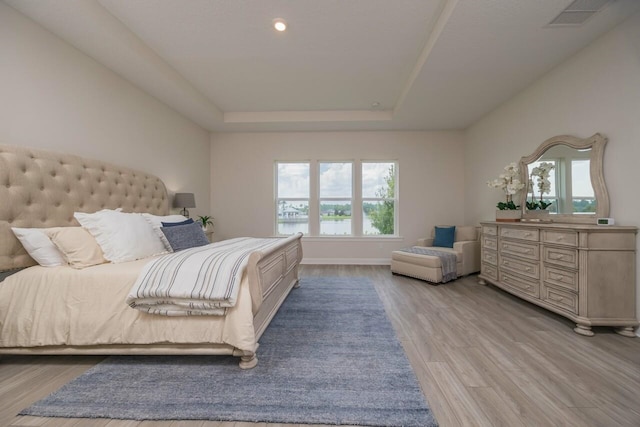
(583, 272)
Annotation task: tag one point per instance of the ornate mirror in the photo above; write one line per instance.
(568, 172)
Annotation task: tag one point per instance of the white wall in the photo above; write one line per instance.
(597, 90)
(430, 184)
(55, 97)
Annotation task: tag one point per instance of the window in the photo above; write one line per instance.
(292, 200)
(582, 196)
(336, 198)
(378, 198)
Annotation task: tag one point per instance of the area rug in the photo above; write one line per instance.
(330, 356)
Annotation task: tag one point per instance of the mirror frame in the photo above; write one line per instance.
(597, 143)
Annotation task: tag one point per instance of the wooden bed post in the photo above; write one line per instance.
(248, 360)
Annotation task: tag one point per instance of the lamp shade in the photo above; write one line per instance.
(184, 200)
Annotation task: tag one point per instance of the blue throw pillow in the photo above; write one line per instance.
(173, 224)
(444, 237)
(185, 236)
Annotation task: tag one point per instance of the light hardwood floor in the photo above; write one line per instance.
(482, 357)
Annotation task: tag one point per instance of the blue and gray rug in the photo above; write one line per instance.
(330, 356)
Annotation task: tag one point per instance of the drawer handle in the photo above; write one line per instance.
(560, 277)
(556, 299)
(528, 269)
(560, 238)
(527, 234)
(530, 251)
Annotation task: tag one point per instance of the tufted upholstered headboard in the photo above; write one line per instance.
(43, 189)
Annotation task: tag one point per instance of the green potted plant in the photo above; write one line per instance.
(509, 182)
(205, 221)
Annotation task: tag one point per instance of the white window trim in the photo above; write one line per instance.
(351, 200)
(276, 200)
(396, 206)
(357, 223)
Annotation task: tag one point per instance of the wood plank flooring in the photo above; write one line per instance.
(482, 357)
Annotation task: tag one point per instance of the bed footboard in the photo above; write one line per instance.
(272, 274)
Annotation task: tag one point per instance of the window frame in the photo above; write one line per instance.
(277, 199)
(351, 199)
(357, 214)
(364, 199)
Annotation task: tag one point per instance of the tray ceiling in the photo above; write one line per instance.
(340, 65)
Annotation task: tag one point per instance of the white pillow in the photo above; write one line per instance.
(122, 236)
(39, 246)
(156, 222)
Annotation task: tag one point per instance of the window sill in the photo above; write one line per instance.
(352, 238)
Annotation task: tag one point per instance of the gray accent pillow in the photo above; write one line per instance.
(5, 274)
(185, 236)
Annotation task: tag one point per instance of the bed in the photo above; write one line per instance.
(47, 310)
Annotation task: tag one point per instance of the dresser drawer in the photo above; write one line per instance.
(520, 233)
(490, 230)
(529, 287)
(560, 298)
(521, 249)
(520, 267)
(569, 238)
(490, 257)
(561, 278)
(490, 242)
(562, 257)
(489, 270)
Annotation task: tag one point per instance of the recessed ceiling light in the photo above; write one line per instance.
(279, 24)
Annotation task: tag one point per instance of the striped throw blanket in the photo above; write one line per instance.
(447, 259)
(199, 281)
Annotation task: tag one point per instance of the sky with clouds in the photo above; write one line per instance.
(336, 179)
(373, 175)
(293, 180)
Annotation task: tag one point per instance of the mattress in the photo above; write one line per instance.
(52, 306)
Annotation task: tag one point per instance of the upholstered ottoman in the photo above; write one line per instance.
(423, 267)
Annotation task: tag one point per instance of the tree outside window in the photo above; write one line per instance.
(379, 198)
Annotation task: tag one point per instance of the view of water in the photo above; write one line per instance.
(332, 227)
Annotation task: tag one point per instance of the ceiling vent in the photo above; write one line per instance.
(578, 12)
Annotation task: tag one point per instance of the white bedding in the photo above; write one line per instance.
(54, 306)
(198, 281)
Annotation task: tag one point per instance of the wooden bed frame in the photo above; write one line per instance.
(42, 189)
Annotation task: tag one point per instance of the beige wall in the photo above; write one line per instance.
(55, 97)
(597, 90)
(430, 184)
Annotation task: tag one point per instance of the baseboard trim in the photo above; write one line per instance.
(346, 261)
